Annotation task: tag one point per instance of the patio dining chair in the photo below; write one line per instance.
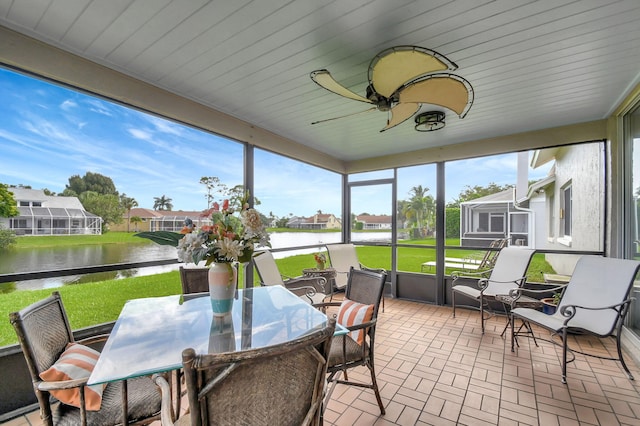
(508, 272)
(596, 302)
(358, 312)
(194, 280)
(281, 384)
(60, 367)
(311, 289)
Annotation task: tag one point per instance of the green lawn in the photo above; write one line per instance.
(29, 242)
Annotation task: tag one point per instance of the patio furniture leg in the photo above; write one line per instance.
(513, 334)
(453, 302)
(619, 347)
(564, 355)
(375, 387)
(482, 313)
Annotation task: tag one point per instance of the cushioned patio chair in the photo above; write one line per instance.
(51, 351)
(194, 280)
(311, 289)
(596, 301)
(358, 312)
(508, 272)
(277, 385)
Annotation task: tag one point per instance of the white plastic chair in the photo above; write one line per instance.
(596, 301)
(343, 257)
(508, 273)
(311, 289)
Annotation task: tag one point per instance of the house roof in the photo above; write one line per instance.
(505, 196)
(38, 195)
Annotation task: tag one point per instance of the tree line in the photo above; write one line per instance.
(418, 212)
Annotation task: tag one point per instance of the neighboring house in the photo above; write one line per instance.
(485, 219)
(374, 222)
(541, 215)
(160, 220)
(317, 221)
(42, 214)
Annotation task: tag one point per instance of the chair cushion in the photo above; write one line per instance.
(353, 313)
(144, 402)
(76, 362)
(344, 350)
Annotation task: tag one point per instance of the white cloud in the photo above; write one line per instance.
(68, 105)
(140, 134)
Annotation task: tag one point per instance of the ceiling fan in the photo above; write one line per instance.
(401, 79)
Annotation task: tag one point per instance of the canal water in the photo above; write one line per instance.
(53, 258)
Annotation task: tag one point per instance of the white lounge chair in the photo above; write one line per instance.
(343, 257)
(508, 273)
(312, 289)
(595, 301)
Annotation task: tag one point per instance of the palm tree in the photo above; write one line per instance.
(162, 203)
(136, 220)
(128, 203)
(420, 207)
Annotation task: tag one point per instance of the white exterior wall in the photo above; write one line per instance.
(582, 165)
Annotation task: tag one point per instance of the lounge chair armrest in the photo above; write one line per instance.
(466, 274)
(166, 408)
(517, 292)
(484, 282)
(308, 291)
(569, 311)
(61, 384)
(318, 283)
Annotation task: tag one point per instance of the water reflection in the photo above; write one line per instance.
(54, 258)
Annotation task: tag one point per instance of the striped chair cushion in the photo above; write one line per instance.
(76, 362)
(354, 313)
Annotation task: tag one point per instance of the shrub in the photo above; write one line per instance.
(7, 238)
(452, 225)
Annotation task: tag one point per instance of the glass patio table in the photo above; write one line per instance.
(151, 333)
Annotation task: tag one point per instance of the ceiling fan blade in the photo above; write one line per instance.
(324, 80)
(343, 116)
(400, 113)
(446, 90)
(394, 67)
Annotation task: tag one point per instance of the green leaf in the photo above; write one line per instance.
(165, 238)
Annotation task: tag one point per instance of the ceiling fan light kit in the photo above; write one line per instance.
(429, 121)
(401, 80)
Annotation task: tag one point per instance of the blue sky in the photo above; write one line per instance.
(49, 133)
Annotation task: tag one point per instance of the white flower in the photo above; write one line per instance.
(229, 249)
(187, 245)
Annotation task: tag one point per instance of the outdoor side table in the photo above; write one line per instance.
(328, 274)
(522, 302)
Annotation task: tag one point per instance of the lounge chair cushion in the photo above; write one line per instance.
(353, 313)
(76, 362)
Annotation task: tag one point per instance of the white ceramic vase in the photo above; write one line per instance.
(222, 287)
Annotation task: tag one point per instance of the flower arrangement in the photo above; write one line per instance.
(229, 238)
(320, 260)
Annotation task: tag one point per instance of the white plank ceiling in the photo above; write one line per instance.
(532, 64)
